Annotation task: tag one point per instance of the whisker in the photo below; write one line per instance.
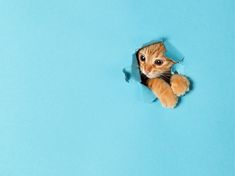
(163, 76)
(166, 75)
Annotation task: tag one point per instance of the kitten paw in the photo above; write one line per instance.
(179, 84)
(169, 99)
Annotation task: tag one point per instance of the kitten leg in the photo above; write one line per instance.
(163, 92)
(179, 84)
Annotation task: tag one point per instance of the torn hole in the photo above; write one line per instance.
(133, 74)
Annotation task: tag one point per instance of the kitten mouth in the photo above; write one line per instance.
(151, 76)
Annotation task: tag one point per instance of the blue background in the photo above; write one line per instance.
(66, 109)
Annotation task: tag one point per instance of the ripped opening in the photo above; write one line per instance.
(133, 72)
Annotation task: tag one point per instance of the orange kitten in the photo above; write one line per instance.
(155, 69)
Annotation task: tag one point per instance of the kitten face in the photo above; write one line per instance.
(152, 61)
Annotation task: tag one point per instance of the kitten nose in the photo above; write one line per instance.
(147, 70)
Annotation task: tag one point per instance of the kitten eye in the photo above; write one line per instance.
(142, 58)
(158, 62)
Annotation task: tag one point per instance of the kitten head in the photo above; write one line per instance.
(152, 61)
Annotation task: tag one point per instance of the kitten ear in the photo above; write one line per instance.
(162, 47)
(171, 61)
